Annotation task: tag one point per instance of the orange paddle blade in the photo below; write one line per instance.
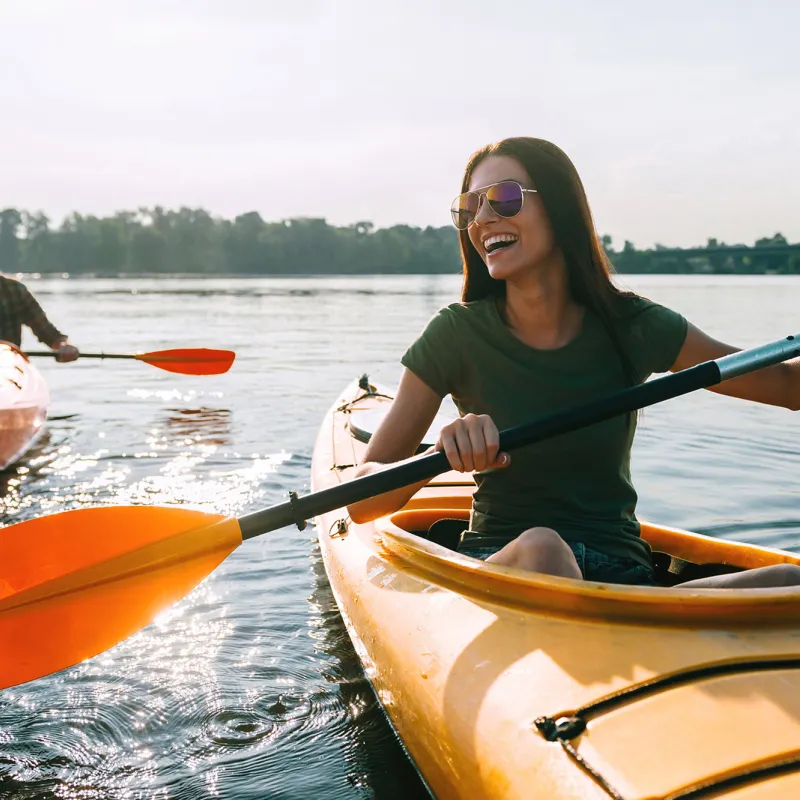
(190, 361)
(76, 583)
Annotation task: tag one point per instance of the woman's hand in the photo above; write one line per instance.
(472, 444)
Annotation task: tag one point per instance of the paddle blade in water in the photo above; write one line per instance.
(76, 583)
(191, 361)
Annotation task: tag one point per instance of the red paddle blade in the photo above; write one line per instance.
(191, 361)
(74, 584)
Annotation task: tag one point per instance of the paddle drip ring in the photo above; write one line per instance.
(298, 518)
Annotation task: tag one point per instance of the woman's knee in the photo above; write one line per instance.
(543, 550)
(544, 541)
(539, 550)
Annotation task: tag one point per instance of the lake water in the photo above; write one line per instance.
(249, 688)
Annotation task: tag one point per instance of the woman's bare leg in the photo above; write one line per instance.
(760, 578)
(539, 550)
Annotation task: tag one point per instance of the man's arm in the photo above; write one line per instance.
(34, 317)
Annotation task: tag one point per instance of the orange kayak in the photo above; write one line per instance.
(509, 684)
(23, 404)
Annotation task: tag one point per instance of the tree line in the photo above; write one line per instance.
(191, 241)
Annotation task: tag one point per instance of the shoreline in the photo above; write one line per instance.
(33, 276)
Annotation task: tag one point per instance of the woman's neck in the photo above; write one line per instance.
(540, 311)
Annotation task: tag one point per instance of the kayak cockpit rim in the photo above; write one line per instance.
(400, 538)
(586, 599)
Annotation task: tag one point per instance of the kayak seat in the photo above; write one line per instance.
(445, 532)
(670, 570)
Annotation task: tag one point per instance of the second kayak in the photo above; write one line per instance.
(23, 404)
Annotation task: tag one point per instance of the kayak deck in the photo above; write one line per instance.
(23, 404)
(502, 682)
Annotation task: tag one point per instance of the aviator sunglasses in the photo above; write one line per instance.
(504, 198)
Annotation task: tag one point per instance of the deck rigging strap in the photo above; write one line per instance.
(563, 729)
(784, 764)
(590, 770)
(646, 688)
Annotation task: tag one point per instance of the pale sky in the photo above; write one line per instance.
(683, 118)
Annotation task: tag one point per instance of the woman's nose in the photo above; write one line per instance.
(485, 211)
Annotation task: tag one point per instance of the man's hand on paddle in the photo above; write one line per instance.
(66, 352)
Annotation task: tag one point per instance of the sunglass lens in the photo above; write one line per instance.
(505, 198)
(464, 209)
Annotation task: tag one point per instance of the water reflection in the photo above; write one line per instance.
(195, 426)
(28, 476)
(272, 291)
(374, 758)
(107, 727)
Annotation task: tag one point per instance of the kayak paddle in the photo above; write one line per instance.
(188, 361)
(74, 584)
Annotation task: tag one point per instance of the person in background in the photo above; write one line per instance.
(18, 307)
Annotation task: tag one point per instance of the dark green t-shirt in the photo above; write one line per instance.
(578, 483)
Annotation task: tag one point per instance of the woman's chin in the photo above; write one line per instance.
(502, 270)
(517, 266)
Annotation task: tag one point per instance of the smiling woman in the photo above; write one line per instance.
(542, 327)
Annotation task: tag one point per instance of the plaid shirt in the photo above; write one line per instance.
(18, 307)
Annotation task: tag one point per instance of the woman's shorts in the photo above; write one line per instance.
(594, 565)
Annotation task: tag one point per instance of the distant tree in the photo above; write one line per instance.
(76, 244)
(37, 250)
(10, 223)
(148, 251)
(773, 241)
(363, 228)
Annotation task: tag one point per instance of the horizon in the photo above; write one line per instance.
(680, 122)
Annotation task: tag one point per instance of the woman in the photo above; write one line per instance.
(541, 327)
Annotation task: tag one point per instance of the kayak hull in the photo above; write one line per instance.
(24, 399)
(477, 666)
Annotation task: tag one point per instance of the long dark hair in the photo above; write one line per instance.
(560, 189)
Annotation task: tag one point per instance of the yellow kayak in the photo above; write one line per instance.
(509, 684)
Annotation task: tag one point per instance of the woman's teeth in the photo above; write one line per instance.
(502, 240)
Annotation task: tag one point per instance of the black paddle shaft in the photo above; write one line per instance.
(300, 509)
(53, 354)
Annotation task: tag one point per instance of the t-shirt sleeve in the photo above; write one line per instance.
(435, 357)
(33, 316)
(657, 334)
